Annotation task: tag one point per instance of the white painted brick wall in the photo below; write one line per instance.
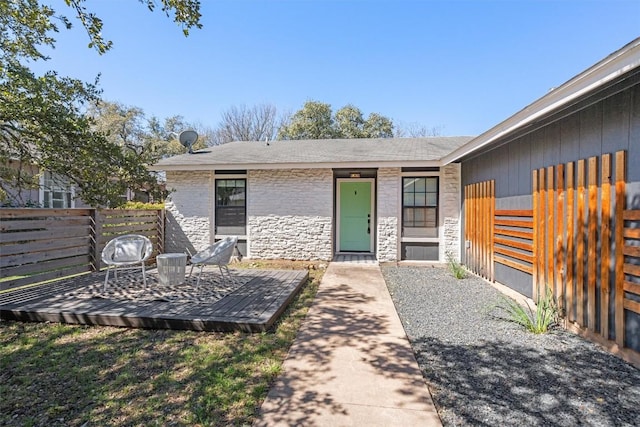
(388, 211)
(289, 214)
(188, 211)
(450, 199)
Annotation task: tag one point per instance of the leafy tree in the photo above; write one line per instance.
(186, 13)
(122, 125)
(162, 139)
(313, 121)
(349, 122)
(378, 126)
(316, 121)
(42, 117)
(129, 128)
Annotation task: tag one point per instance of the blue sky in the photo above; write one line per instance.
(462, 66)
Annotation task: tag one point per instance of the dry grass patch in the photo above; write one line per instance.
(73, 375)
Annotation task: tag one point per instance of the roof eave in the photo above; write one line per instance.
(605, 71)
(321, 165)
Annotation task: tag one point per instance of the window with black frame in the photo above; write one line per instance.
(420, 206)
(231, 206)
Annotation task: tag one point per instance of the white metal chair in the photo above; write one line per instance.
(126, 252)
(220, 254)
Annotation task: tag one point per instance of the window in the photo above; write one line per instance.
(231, 206)
(56, 192)
(420, 206)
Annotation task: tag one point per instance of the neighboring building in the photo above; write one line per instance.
(56, 192)
(53, 191)
(393, 198)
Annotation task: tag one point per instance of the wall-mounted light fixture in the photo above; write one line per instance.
(354, 175)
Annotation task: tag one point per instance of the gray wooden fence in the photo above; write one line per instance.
(39, 245)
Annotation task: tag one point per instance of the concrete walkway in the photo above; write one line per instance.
(351, 363)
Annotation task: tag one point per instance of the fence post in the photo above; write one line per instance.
(550, 227)
(580, 244)
(592, 236)
(160, 227)
(540, 233)
(492, 227)
(621, 174)
(560, 232)
(605, 263)
(536, 230)
(570, 254)
(96, 230)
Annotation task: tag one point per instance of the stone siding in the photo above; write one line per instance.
(388, 214)
(188, 211)
(450, 210)
(289, 214)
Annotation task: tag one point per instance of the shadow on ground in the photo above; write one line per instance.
(345, 332)
(497, 383)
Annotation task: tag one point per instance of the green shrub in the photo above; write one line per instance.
(456, 268)
(141, 205)
(539, 321)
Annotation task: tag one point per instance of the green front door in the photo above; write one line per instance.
(355, 216)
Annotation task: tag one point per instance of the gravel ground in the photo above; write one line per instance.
(485, 371)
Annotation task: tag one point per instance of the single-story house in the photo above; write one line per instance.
(393, 198)
(547, 199)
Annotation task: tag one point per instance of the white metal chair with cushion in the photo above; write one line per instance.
(220, 254)
(126, 252)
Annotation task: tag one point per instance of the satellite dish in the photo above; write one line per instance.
(188, 138)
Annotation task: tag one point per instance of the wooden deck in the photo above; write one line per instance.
(252, 305)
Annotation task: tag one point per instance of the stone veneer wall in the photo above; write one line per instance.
(388, 214)
(188, 211)
(450, 211)
(289, 214)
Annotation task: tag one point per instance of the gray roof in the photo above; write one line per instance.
(318, 153)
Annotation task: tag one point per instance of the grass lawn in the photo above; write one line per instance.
(72, 375)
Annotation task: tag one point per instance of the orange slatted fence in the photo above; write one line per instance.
(630, 275)
(578, 241)
(513, 239)
(479, 212)
(578, 217)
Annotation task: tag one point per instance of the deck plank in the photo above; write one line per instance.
(253, 307)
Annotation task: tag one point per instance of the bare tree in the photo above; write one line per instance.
(416, 130)
(257, 123)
